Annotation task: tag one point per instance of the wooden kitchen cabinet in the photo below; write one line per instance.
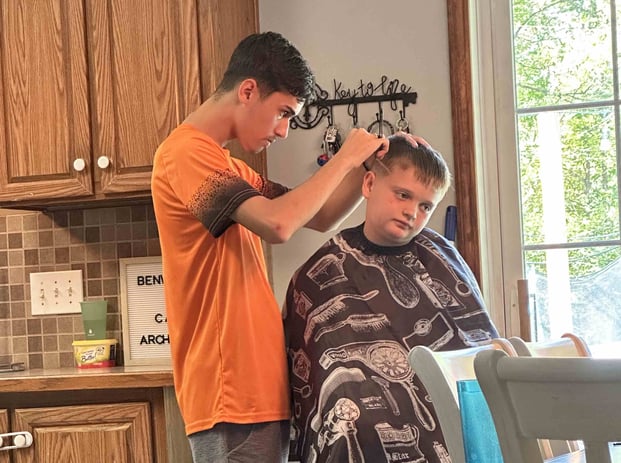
(90, 89)
(91, 433)
(135, 425)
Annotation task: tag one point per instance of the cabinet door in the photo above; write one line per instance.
(44, 115)
(4, 428)
(105, 79)
(87, 433)
(144, 65)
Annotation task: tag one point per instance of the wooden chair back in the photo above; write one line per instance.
(562, 398)
(568, 345)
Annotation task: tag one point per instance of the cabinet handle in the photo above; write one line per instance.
(20, 440)
(103, 162)
(79, 164)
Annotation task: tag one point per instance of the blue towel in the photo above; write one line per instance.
(480, 439)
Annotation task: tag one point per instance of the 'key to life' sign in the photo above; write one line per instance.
(143, 312)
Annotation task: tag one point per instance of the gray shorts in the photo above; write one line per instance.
(242, 443)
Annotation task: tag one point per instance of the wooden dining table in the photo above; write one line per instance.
(578, 456)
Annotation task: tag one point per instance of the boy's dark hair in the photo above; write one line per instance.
(274, 62)
(431, 169)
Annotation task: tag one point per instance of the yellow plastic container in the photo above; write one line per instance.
(95, 353)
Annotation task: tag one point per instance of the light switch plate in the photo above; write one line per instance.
(56, 292)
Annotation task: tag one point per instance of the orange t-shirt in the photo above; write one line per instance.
(225, 326)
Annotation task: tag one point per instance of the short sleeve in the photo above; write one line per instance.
(208, 181)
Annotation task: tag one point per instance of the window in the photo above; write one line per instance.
(548, 98)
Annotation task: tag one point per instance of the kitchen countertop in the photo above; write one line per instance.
(63, 379)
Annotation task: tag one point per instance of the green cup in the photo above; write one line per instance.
(94, 319)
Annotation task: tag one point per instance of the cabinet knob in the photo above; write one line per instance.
(103, 162)
(79, 164)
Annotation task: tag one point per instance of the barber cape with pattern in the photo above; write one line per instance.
(353, 312)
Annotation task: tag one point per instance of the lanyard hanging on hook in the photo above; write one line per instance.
(331, 141)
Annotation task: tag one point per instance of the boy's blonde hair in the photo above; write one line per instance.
(431, 169)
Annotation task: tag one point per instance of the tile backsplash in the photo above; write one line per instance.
(92, 240)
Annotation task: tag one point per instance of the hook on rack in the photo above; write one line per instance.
(352, 111)
(380, 118)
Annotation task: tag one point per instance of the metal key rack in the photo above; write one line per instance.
(387, 90)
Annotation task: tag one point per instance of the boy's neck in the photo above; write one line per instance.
(214, 117)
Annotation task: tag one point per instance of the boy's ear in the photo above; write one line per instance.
(368, 182)
(247, 88)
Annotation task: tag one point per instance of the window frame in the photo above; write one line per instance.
(484, 128)
(491, 104)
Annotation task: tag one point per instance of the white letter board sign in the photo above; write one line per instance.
(143, 312)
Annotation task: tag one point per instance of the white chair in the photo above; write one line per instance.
(565, 398)
(568, 345)
(439, 372)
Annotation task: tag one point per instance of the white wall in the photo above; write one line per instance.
(350, 40)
